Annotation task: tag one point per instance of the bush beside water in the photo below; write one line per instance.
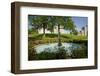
(60, 53)
(80, 52)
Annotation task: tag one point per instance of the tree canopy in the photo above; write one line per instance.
(49, 22)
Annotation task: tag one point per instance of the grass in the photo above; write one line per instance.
(56, 35)
(50, 38)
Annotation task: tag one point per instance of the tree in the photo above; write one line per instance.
(41, 22)
(69, 24)
(81, 33)
(59, 21)
(83, 29)
(51, 21)
(86, 30)
(51, 24)
(75, 32)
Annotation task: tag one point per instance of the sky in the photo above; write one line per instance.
(78, 21)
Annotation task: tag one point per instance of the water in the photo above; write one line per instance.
(52, 47)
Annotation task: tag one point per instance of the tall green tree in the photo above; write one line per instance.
(70, 24)
(51, 24)
(58, 21)
(65, 22)
(41, 22)
(75, 32)
(83, 29)
(51, 21)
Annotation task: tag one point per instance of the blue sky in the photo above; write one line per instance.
(79, 21)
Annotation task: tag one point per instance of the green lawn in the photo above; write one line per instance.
(50, 38)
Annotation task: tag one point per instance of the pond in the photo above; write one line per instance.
(53, 47)
(53, 51)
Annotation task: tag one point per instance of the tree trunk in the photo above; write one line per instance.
(43, 30)
(59, 40)
(52, 32)
(84, 32)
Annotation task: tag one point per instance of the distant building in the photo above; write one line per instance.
(62, 30)
(82, 32)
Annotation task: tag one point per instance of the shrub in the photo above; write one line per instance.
(48, 54)
(31, 54)
(32, 31)
(61, 53)
(79, 52)
(51, 35)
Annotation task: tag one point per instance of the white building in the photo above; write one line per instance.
(63, 31)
